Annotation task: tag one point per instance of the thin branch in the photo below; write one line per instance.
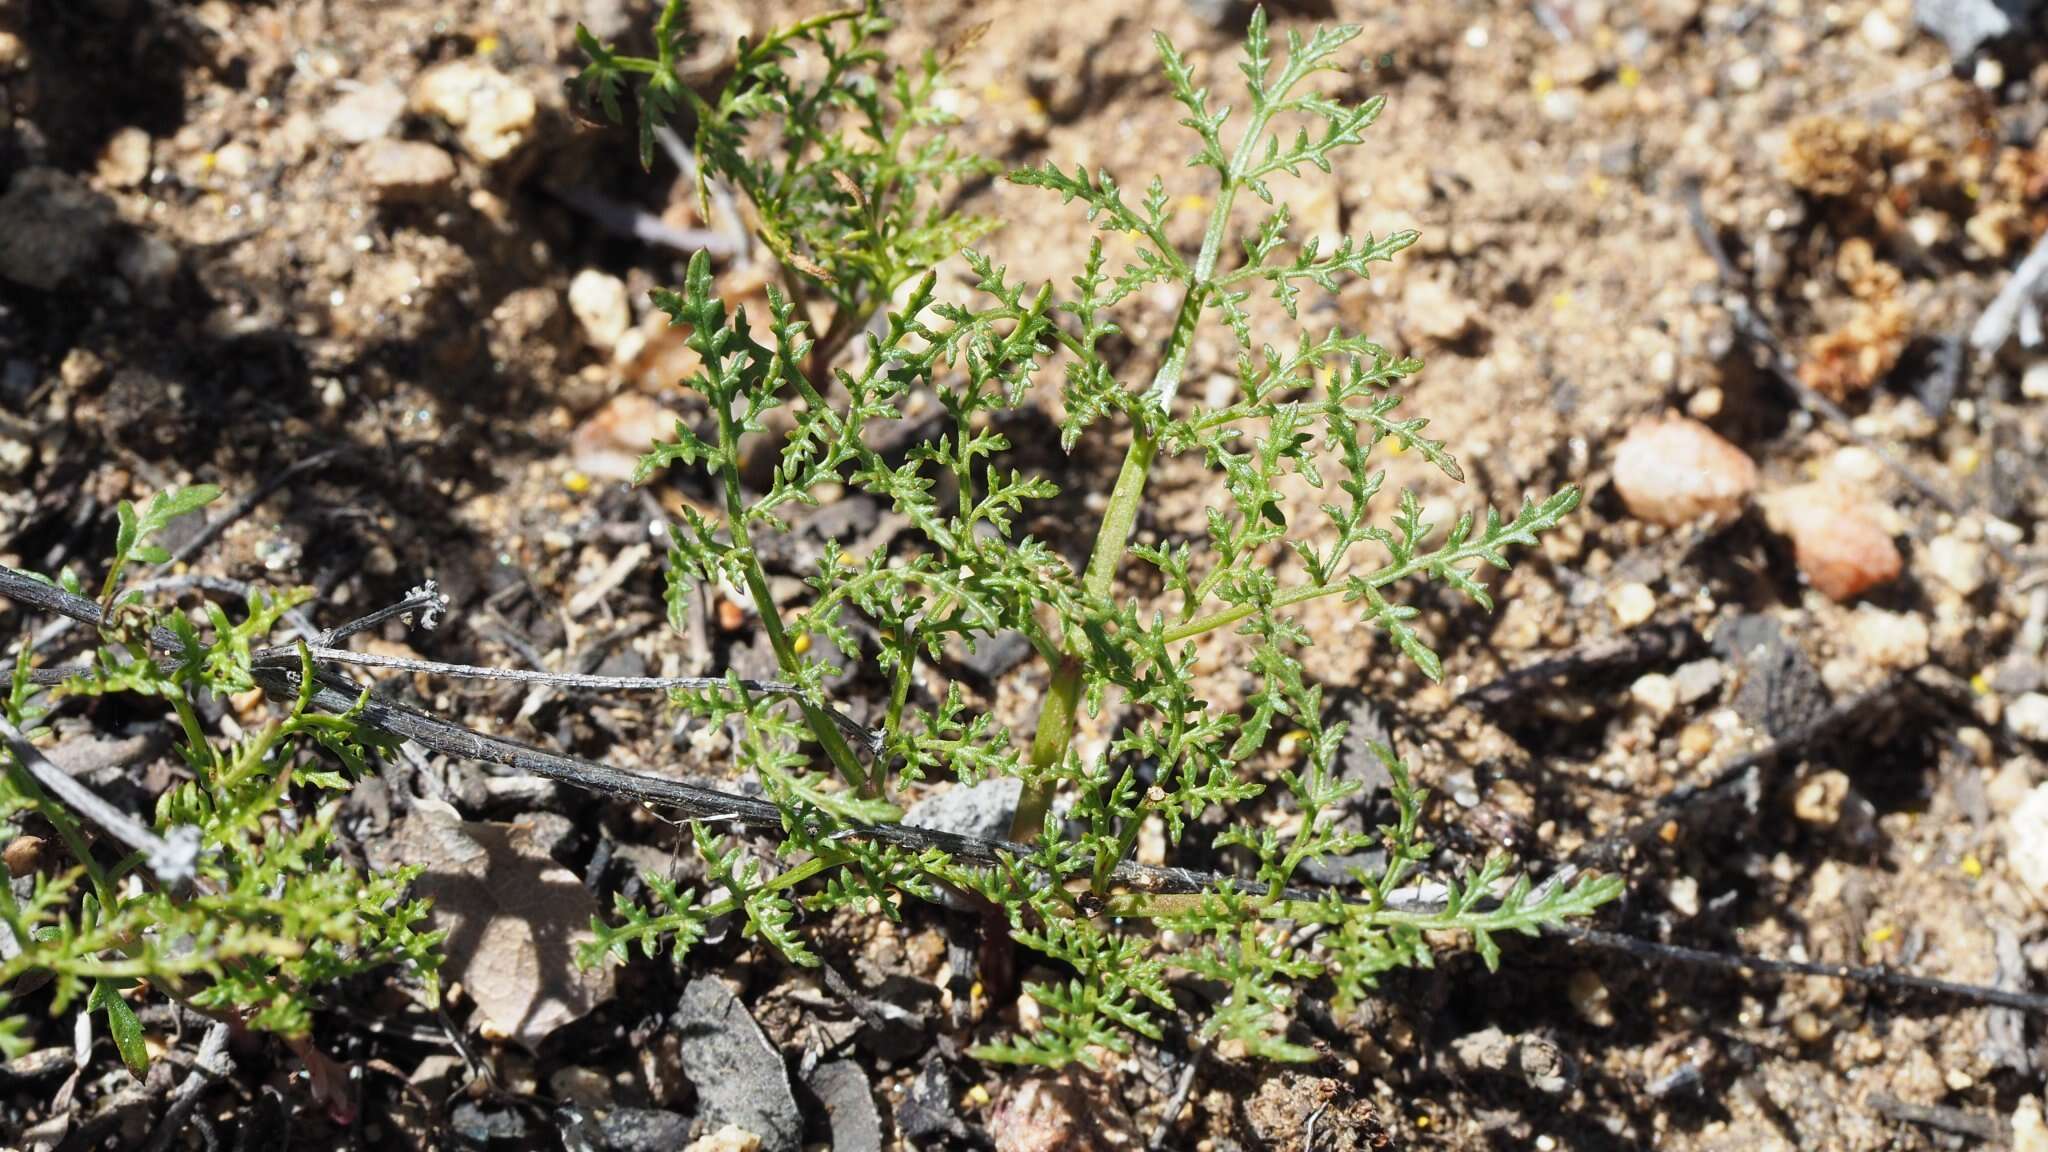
(246, 505)
(335, 693)
(211, 1064)
(174, 859)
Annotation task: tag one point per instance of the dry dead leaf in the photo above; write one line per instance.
(513, 918)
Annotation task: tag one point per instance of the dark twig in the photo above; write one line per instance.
(1650, 644)
(173, 859)
(1867, 975)
(247, 504)
(211, 1064)
(1736, 774)
(1182, 1087)
(336, 693)
(1989, 1129)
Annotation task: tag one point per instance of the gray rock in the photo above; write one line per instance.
(1967, 25)
(53, 229)
(1780, 688)
(643, 1130)
(992, 657)
(478, 1125)
(366, 114)
(739, 1076)
(980, 810)
(849, 1103)
(405, 170)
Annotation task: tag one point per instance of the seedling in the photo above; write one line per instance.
(842, 170)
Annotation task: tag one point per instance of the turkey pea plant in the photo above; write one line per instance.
(848, 171)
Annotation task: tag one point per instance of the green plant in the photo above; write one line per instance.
(234, 900)
(1315, 409)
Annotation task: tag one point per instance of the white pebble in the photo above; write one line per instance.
(1890, 640)
(1632, 604)
(2027, 717)
(1655, 694)
(1746, 74)
(1961, 564)
(2034, 381)
(1880, 33)
(601, 305)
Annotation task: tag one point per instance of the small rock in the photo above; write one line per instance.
(1434, 313)
(366, 114)
(1746, 74)
(492, 112)
(53, 229)
(2029, 1133)
(1674, 471)
(1698, 679)
(148, 263)
(849, 1102)
(730, 1138)
(1880, 33)
(2034, 381)
(583, 1087)
(1683, 894)
(1535, 1060)
(992, 657)
(1655, 694)
(1890, 640)
(979, 810)
(1836, 541)
(1057, 1115)
(404, 170)
(13, 53)
(124, 162)
(739, 1076)
(926, 1109)
(1819, 800)
(1961, 564)
(1632, 604)
(2026, 841)
(609, 444)
(2027, 717)
(599, 302)
(652, 1130)
(1966, 25)
(1778, 686)
(1589, 996)
(481, 1125)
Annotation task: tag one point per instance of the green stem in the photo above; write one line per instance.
(822, 727)
(1063, 695)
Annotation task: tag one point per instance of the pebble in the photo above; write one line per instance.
(366, 114)
(1674, 471)
(2029, 1133)
(1746, 74)
(1655, 694)
(492, 113)
(53, 229)
(740, 1077)
(1698, 679)
(1880, 33)
(1683, 894)
(1819, 799)
(1961, 564)
(1590, 998)
(2026, 841)
(1837, 543)
(124, 162)
(731, 1138)
(601, 305)
(1632, 604)
(13, 53)
(1434, 313)
(404, 170)
(2027, 717)
(1890, 640)
(609, 444)
(2034, 381)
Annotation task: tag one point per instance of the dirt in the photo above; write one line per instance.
(209, 279)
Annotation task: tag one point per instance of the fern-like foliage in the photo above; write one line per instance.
(1309, 412)
(267, 915)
